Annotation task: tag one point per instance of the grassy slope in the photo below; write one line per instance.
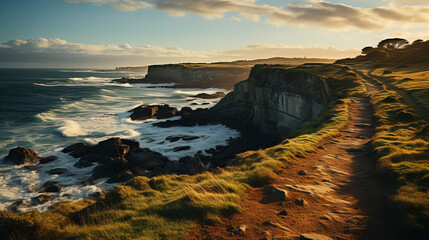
(401, 142)
(164, 207)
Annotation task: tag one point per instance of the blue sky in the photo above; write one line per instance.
(199, 30)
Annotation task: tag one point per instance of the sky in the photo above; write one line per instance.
(110, 33)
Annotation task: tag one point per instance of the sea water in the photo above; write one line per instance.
(49, 109)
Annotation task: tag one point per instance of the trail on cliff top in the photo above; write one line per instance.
(333, 193)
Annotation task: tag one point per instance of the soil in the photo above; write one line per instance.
(338, 195)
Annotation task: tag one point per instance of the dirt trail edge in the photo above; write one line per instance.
(333, 193)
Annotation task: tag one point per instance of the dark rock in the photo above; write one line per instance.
(145, 160)
(124, 175)
(300, 202)
(53, 188)
(173, 138)
(283, 213)
(113, 147)
(190, 165)
(166, 112)
(133, 144)
(77, 150)
(110, 168)
(83, 164)
(144, 112)
(190, 138)
(274, 194)
(57, 171)
(302, 173)
(48, 159)
(185, 110)
(32, 167)
(210, 96)
(93, 157)
(42, 198)
(21, 155)
(181, 148)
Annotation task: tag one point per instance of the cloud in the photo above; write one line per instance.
(313, 13)
(42, 52)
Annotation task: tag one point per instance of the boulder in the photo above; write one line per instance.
(181, 148)
(274, 194)
(32, 167)
(146, 160)
(113, 147)
(143, 112)
(21, 155)
(302, 173)
(110, 168)
(52, 188)
(210, 96)
(48, 159)
(77, 150)
(166, 112)
(300, 202)
(185, 110)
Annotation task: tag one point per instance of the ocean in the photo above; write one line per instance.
(49, 109)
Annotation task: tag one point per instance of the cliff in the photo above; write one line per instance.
(198, 75)
(275, 98)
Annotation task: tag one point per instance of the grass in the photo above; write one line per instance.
(166, 207)
(401, 142)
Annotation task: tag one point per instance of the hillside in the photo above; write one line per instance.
(356, 169)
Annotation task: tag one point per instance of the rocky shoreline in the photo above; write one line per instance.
(253, 109)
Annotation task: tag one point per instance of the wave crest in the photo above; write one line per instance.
(71, 129)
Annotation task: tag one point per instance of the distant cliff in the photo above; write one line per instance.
(198, 75)
(276, 99)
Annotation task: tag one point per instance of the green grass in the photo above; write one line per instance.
(401, 141)
(166, 207)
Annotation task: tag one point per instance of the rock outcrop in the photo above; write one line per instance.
(122, 159)
(21, 155)
(276, 99)
(197, 75)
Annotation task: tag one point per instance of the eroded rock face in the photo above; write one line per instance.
(276, 99)
(21, 155)
(185, 75)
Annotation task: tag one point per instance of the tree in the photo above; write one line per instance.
(391, 44)
(367, 50)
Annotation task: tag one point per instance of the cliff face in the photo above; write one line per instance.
(197, 75)
(276, 99)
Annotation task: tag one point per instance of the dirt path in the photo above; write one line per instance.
(343, 199)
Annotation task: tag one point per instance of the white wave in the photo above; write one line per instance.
(46, 116)
(71, 129)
